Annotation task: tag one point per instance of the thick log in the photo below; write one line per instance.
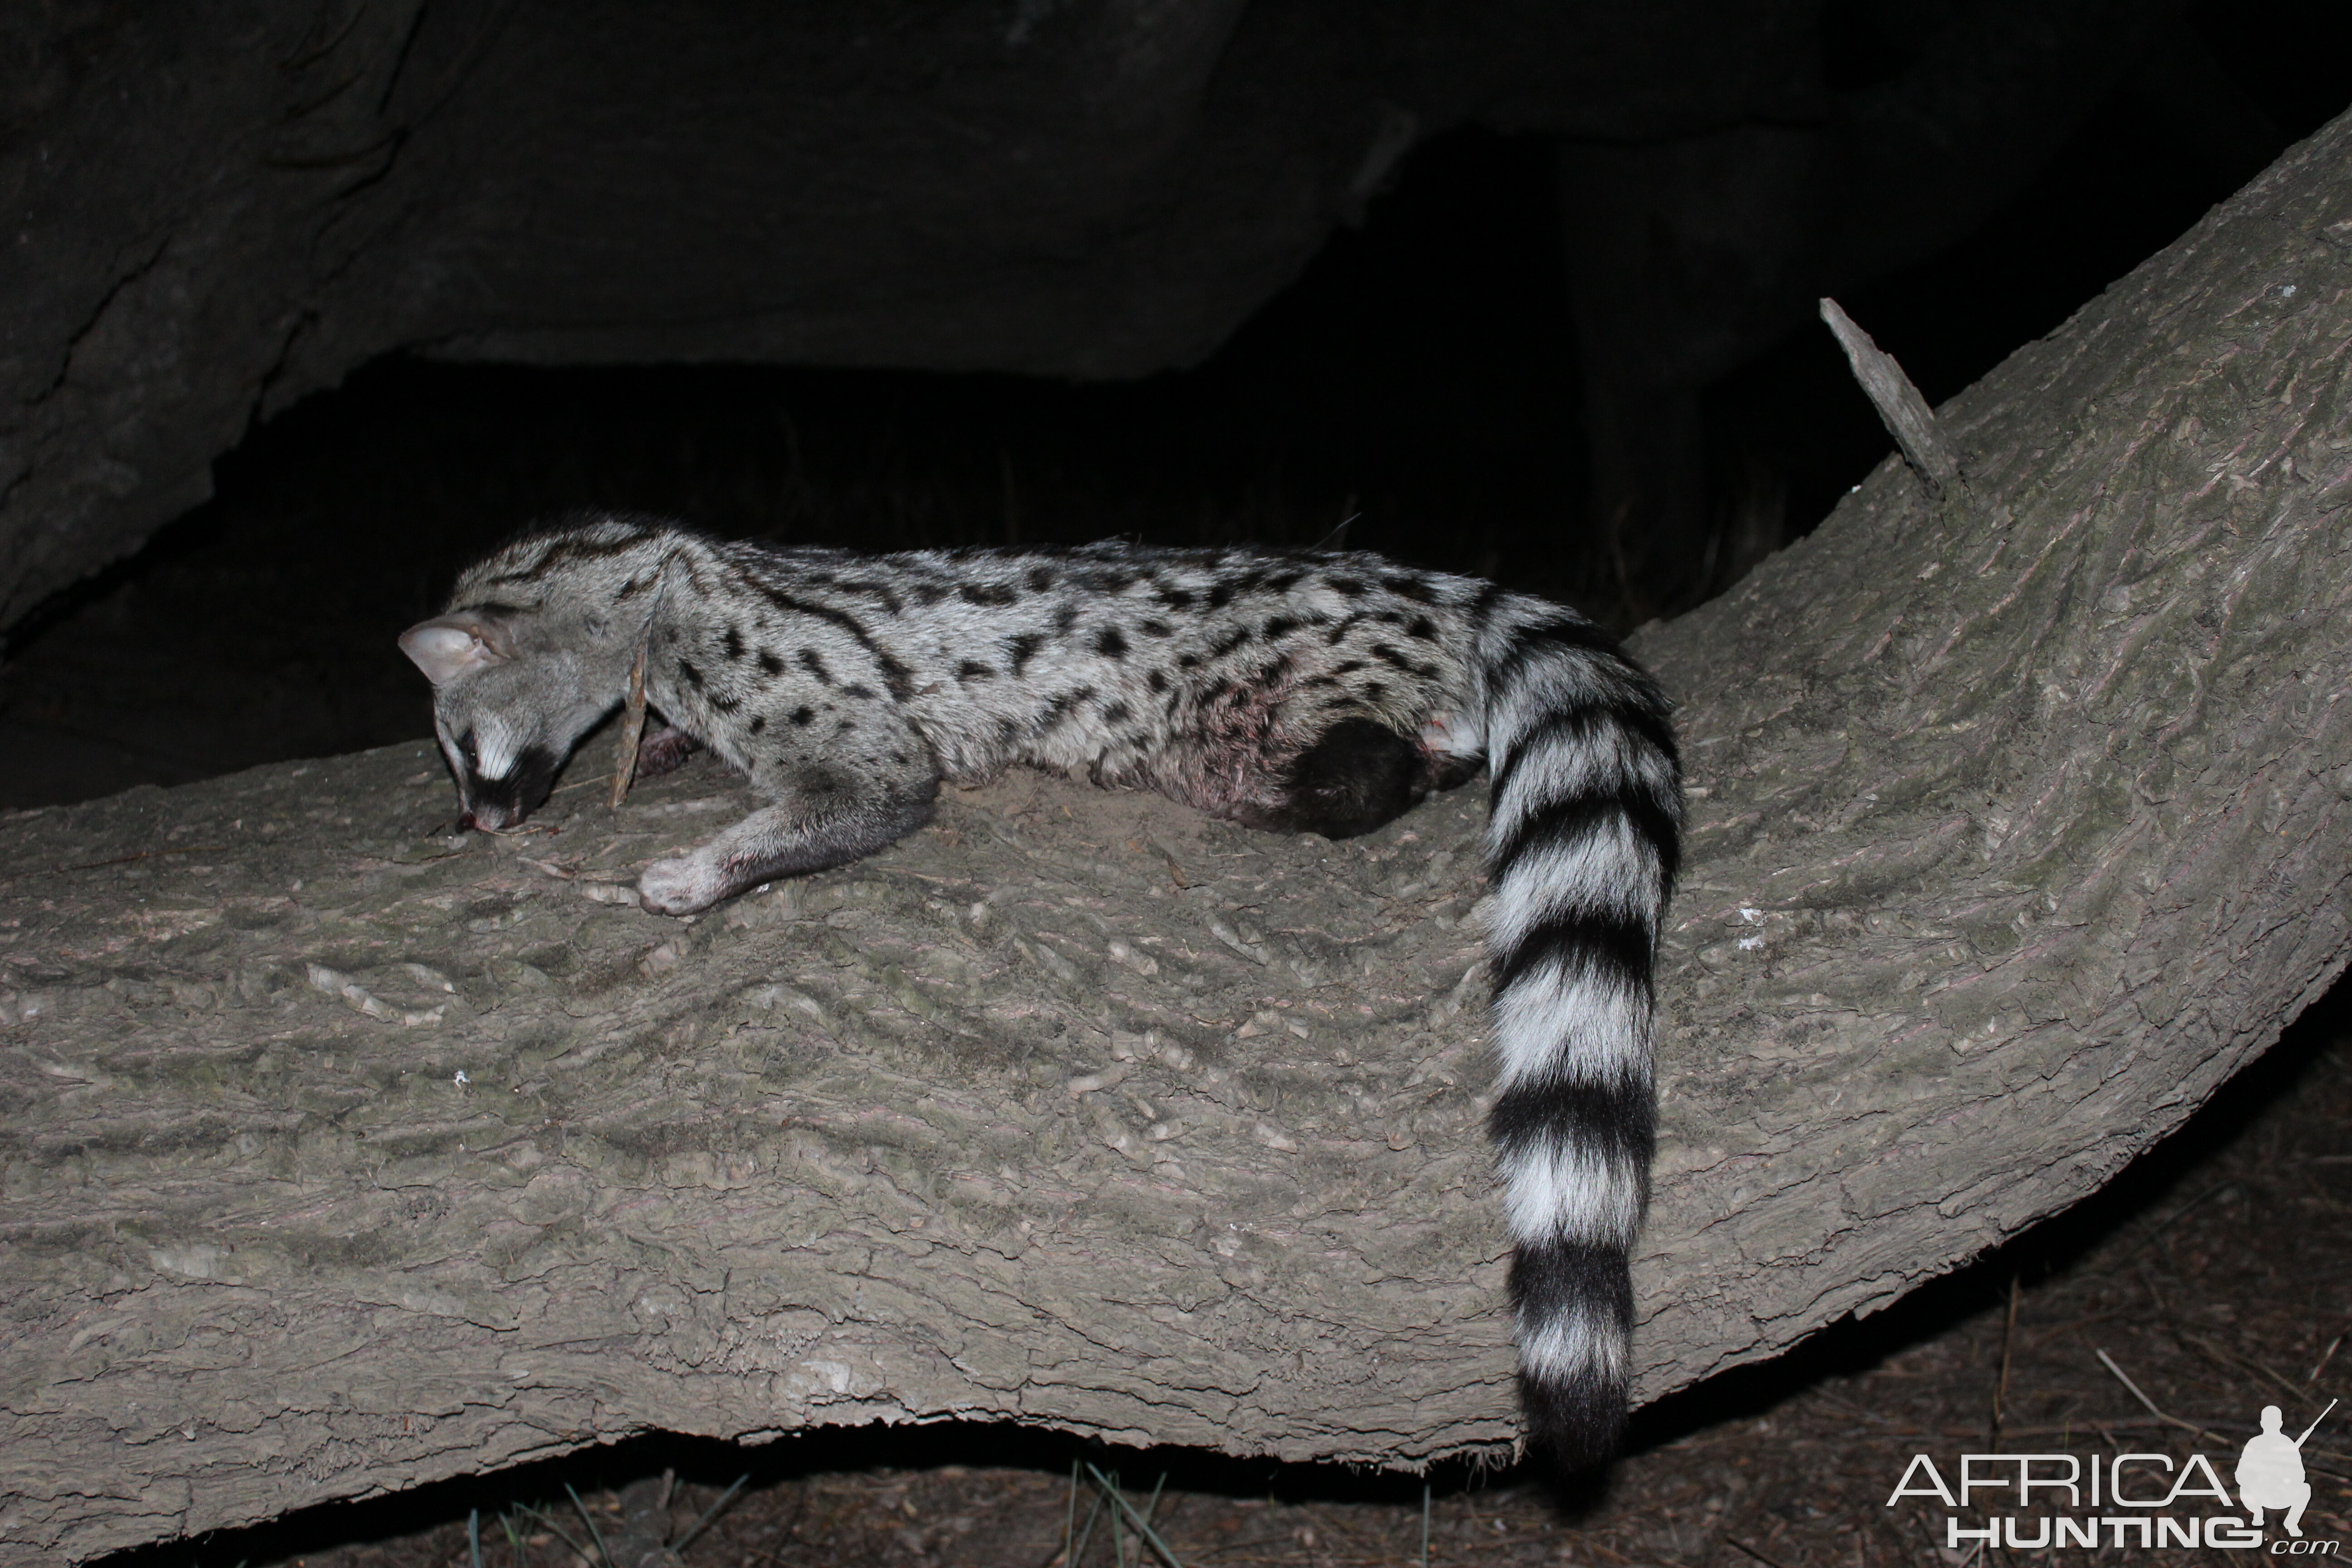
(339, 1155)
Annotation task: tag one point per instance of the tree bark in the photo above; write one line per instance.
(339, 1155)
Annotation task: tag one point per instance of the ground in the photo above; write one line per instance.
(2216, 1276)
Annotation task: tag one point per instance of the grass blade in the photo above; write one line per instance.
(1150, 1537)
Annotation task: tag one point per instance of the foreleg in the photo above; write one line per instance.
(827, 812)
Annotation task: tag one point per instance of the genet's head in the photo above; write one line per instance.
(509, 702)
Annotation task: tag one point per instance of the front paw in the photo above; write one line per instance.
(677, 887)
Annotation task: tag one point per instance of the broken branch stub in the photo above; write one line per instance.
(1901, 408)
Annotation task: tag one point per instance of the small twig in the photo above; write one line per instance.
(1752, 1552)
(683, 1541)
(2326, 1356)
(2168, 1419)
(632, 726)
(2035, 1341)
(119, 861)
(583, 784)
(2177, 1216)
(2229, 1358)
(2001, 1389)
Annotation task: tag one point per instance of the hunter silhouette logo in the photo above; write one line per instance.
(2270, 1471)
(2041, 1501)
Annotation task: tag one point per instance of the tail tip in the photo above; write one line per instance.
(1579, 1421)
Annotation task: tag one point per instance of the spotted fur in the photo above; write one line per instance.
(1300, 691)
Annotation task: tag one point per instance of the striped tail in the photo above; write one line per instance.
(1580, 854)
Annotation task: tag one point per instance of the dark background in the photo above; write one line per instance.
(1414, 393)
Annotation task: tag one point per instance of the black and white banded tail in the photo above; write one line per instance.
(1580, 853)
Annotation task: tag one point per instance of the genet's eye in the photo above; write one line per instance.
(466, 750)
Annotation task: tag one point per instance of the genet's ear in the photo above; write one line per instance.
(447, 647)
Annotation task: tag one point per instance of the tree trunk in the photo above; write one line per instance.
(339, 1155)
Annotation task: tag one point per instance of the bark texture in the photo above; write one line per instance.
(339, 1155)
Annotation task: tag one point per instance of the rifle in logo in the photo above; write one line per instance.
(2270, 1471)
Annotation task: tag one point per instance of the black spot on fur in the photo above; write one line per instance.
(1040, 579)
(973, 669)
(770, 664)
(1230, 641)
(1159, 680)
(802, 714)
(722, 703)
(1219, 595)
(894, 674)
(759, 722)
(1346, 587)
(858, 690)
(1412, 588)
(1283, 582)
(693, 675)
(1066, 617)
(815, 665)
(1024, 649)
(1278, 627)
(1423, 627)
(1116, 713)
(1111, 643)
(1176, 599)
(880, 593)
(1064, 703)
(733, 642)
(989, 594)
(1155, 628)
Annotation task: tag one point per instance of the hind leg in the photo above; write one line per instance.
(1360, 775)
